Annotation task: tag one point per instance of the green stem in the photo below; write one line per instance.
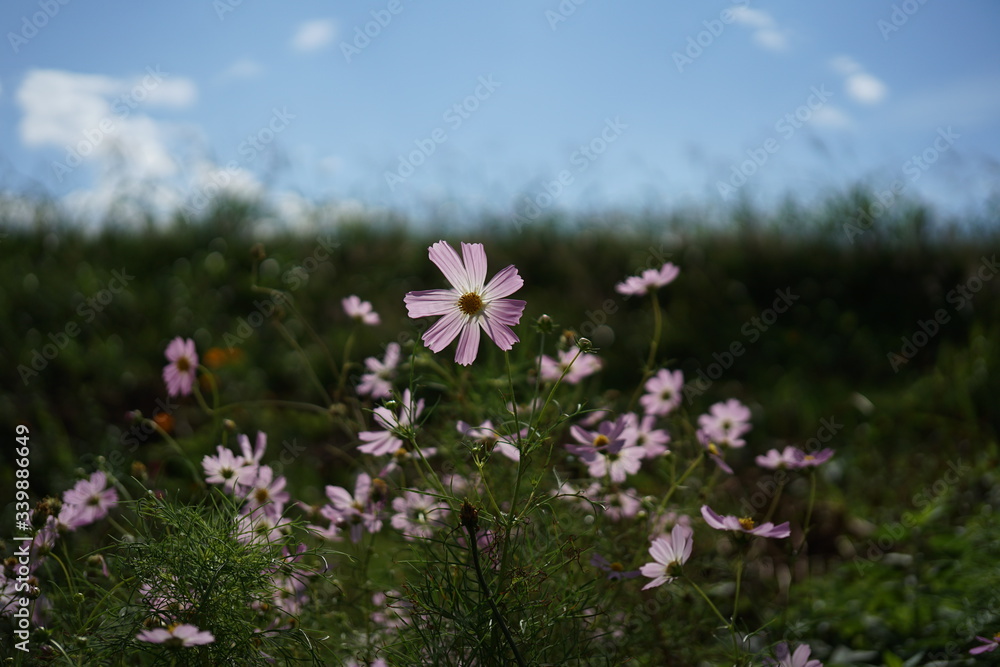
(647, 370)
(774, 502)
(676, 484)
(290, 339)
(809, 510)
(474, 548)
(714, 608)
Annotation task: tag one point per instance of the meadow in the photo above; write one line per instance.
(871, 346)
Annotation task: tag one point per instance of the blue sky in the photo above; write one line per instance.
(460, 107)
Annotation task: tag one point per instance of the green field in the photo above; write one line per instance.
(883, 345)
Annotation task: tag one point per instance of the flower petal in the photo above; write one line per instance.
(504, 283)
(468, 344)
(507, 311)
(498, 332)
(475, 264)
(446, 259)
(444, 331)
(430, 302)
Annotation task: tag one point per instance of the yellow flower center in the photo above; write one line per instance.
(261, 495)
(470, 303)
(617, 567)
(600, 441)
(183, 365)
(747, 523)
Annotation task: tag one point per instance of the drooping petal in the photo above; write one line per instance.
(446, 259)
(507, 311)
(504, 283)
(440, 335)
(498, 332)
(468, 345)
(339, 497)
(475, 264)
(430, 302)
(713, 519)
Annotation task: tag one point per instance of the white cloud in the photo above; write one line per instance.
(244, 68)
(830, 116)
(859, 85)
(314, 35)
(102, 120)
(766, 33)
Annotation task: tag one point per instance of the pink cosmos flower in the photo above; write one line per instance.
(793, 458)
(468, 305)
(262, 526)
(649, 281)
(360, 310)
(800, 658)
(253, 457)
(377, 382)
(614, 569)
(619, 504)
(585, 365)
(180, 372)
(775, 459)
(668, 555)
(605, 451)
(487, 436)
(804, 460)
(725, 423)
(744, 525)
(225, 468)
(989, 644)
(357, 511)
(639, 432)
(264, 490)
(177, 636)
(88, 501)
(380, 443)
(417, 514)
(663, 392)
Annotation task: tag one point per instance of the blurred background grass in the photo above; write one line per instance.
(826, 358)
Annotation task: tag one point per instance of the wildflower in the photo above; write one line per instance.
(225, 468)
(988, 646)
(804, 460)
(575, 367)
(357, 511)
(379, 443)
(605, 451)
(360, 310)
(264, 490)
(650, 280)
(668, 555)
(663, 392)
(468, 303)
(377, 382)
(725, 423)
(177, 636)
(396, 612)
(416, 513)
(180, 372)
(800, 658)
(253, 456)
(87, 501)
(261, 526)
(775, 459)
(491, 440)
(744, 525)
(614, 569)
(639, 432)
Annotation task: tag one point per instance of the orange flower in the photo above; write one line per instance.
(164, 421)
